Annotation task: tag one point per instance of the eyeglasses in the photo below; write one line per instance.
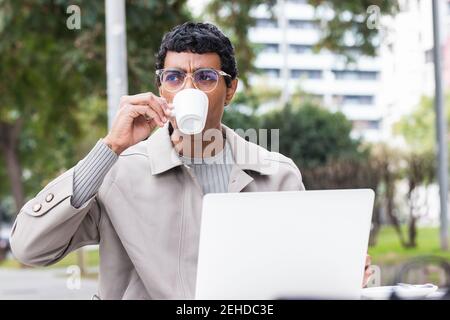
(205, 79)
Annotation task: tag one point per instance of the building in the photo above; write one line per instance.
(374, 93)
(407, 60)
(287, 61)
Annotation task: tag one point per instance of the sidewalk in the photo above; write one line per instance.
(43, 284)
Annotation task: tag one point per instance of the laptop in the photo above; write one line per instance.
(284, 245)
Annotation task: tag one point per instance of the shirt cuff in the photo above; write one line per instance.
(90, 172)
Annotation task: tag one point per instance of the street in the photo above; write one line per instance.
(44, 284)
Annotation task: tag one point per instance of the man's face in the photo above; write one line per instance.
(189, 62)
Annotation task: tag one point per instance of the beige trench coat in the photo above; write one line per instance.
(145, 217)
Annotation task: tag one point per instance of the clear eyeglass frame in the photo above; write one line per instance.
(160, 73)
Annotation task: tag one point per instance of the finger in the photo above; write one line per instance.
(169, 111)
(368, 274)
(140, 98)
(165, 103)
(144, 110)
(368, 261)
(156, 106)
(159, 100)
(154, 117)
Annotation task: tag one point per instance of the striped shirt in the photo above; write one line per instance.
(90, 172)
(212, 173)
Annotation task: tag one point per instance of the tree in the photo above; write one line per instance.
(357, 20)
(418, 128)
(234, 18)
(388, 163)
(37, 78)
(311, 135)
(52, 76)
(320, 144)
(244, 113)
(419, 171)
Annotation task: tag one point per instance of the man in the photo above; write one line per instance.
(140, 199)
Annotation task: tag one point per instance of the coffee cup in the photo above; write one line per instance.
(190, 110)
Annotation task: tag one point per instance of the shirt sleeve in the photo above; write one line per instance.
(89, 173)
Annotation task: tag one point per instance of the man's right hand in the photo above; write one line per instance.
(136, 119)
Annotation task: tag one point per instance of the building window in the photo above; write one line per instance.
(308, 74)
(355, 75)
(300, 48)
(270, 48)
(366, 124)
(353, 99)
(270, 72)
(302, 24)
(317, 98)
(266, 23)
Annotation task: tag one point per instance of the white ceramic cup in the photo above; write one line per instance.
(190, 108)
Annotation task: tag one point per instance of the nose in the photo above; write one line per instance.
(189, 82)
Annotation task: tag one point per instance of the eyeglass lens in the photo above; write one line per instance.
(204, 79)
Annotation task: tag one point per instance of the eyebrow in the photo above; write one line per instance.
(184, 70)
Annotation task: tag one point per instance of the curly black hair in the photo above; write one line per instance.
(198, 37)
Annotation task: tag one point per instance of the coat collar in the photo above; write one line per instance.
(247, 155)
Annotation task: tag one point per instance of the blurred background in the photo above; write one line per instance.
(350, 85)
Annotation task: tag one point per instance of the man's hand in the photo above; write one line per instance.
(368, 272)
(137, 117)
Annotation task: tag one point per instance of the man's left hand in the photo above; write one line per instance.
(368, 272)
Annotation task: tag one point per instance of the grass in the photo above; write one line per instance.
(389, 251)
(91, 259)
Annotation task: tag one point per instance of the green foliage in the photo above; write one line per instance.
(418, 128)
(147, 21)
(350, 20)
(311, 135)
(244, 112)
(234, 19)
(238, 117)
(53, 80)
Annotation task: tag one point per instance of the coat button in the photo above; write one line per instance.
(37, 207)
(49, 197)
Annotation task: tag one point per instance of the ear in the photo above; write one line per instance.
(231, 91)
